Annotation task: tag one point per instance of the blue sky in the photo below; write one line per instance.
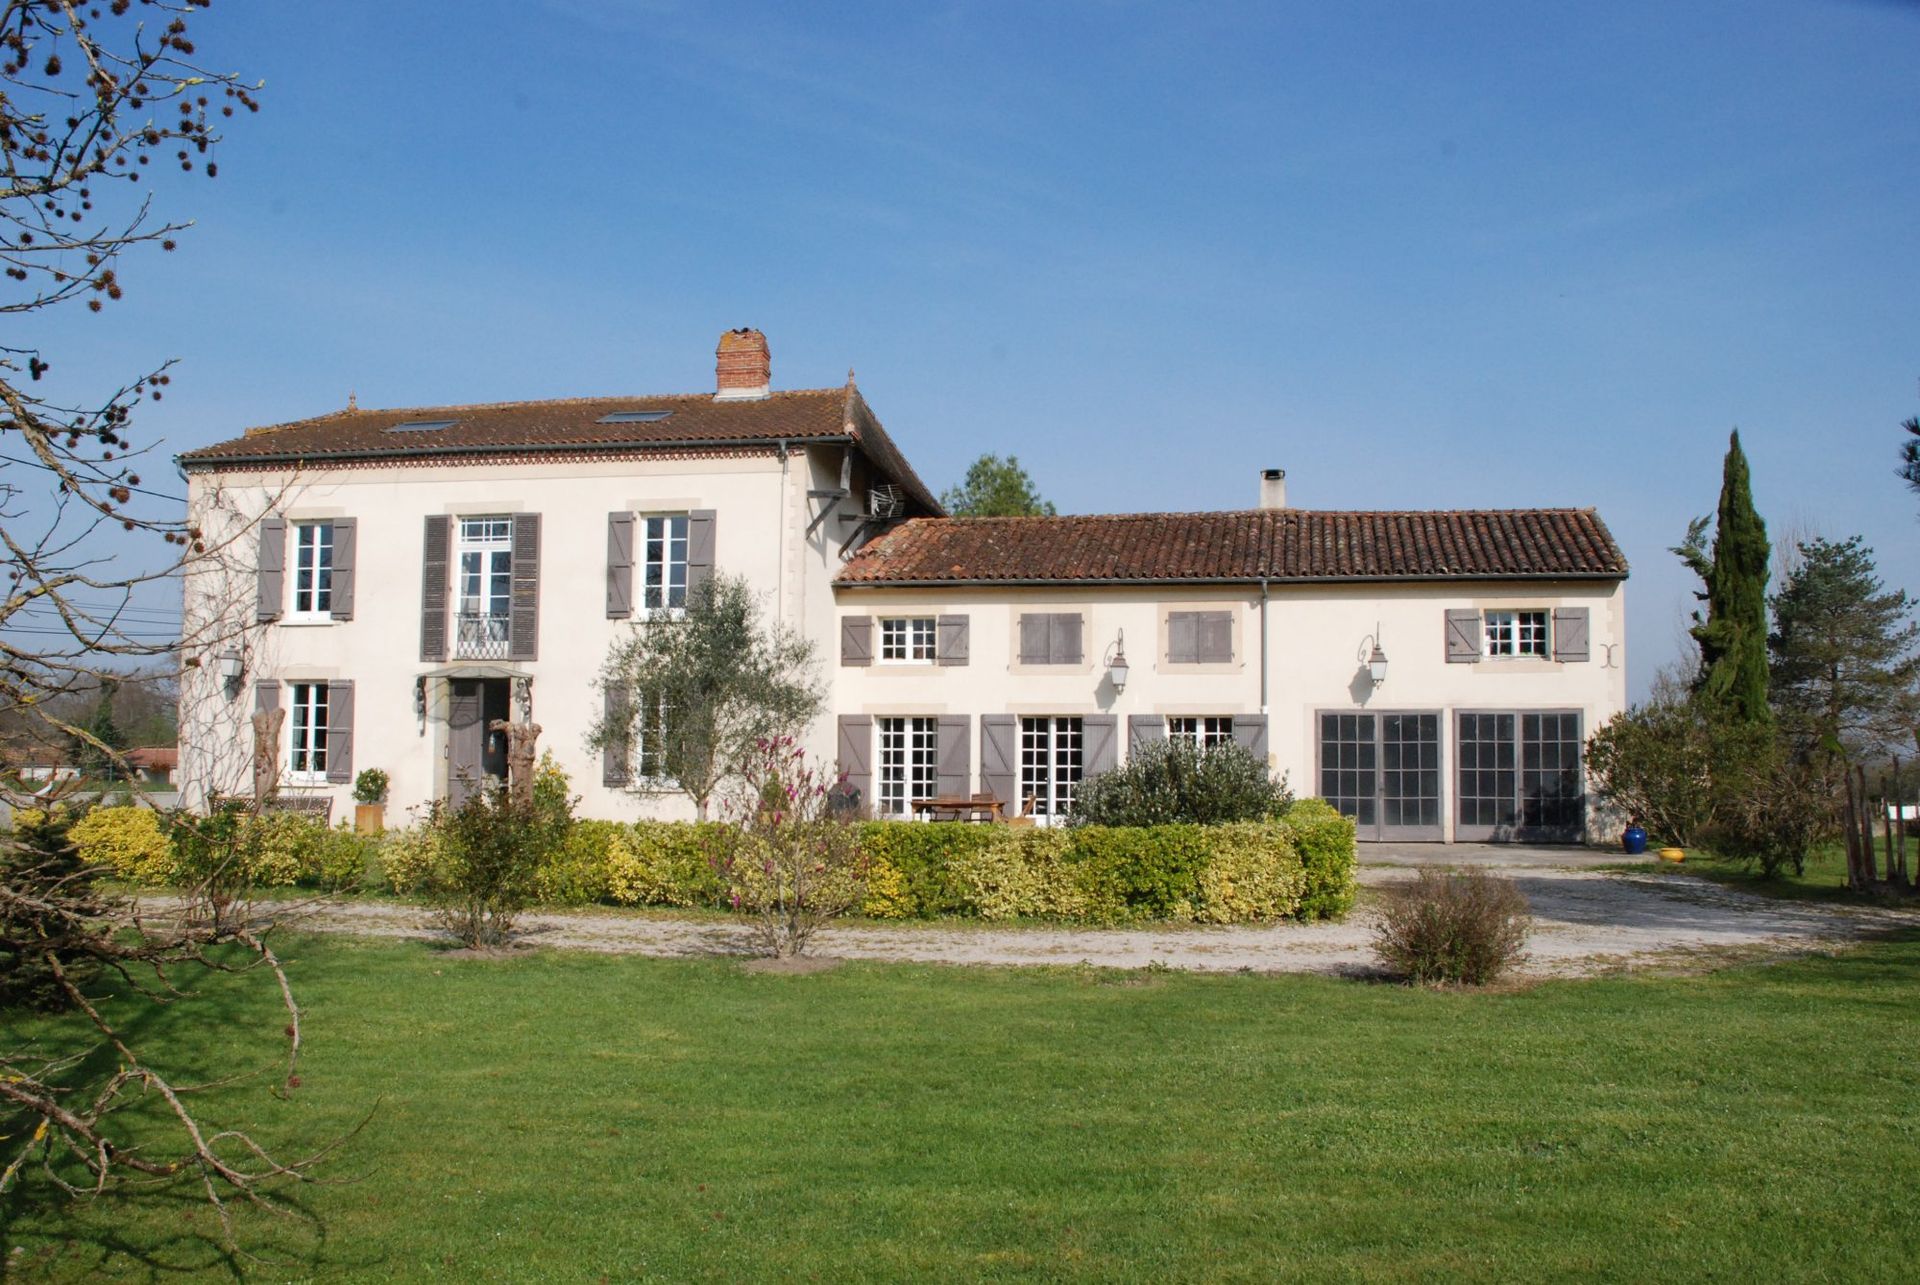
(1420, 255)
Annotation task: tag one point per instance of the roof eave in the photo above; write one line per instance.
(1094, 582)
(771, 444)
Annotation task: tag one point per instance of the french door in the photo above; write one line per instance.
(1383, 770)
(1520, 776)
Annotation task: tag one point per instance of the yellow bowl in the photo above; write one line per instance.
(1673, 854)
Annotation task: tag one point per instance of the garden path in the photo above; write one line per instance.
(1585, 922)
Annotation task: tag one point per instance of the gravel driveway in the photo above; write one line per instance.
(1585, 921)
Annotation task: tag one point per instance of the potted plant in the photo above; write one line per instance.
(370, 801)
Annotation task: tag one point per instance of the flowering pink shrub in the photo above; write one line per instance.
(787, 856)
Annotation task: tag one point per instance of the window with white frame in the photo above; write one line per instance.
(307, 732)
(1051, 758)
(649, 735)
(909, 762)
(485, 588)
(904, 639)
(1202, 732)
(663, 562)
(312, 569)
(1515, 633)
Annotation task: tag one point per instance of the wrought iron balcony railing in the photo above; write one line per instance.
(481, 637)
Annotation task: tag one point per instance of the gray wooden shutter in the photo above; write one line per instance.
(619, 719)
(523, 621)
(856, 640)
(345, 539)
(1063, 638)
(699, 549)
(1463, 635)
(266, 695)
(1033, 639)
(999, 758)
(1216, 637)
(1570, 634)
(951, 648)
(435, 551)
(339, 732)
(619, 565)
(1144, 729)
(271, 583)
(955, 761)
(856, 754)
(1250, 734)
(1100, 746)
(1183, 637)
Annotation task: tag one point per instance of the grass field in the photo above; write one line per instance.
(1823, 879)
(576, 1117)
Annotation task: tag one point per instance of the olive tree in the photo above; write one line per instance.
(691, 695)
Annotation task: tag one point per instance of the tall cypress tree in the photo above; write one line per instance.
(1733, 634)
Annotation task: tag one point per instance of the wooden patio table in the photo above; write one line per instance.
(961, 808)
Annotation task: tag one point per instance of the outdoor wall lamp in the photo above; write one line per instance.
(523, 696)
(1117, 663)
(420, 697)
(232, 668)
(1376, 659)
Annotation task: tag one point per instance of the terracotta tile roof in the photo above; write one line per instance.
(155, 758)
(1281, 544)
(572, 424)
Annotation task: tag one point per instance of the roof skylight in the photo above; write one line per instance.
(634, 416)
(422, 425)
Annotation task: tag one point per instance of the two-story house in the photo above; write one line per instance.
(416, 575)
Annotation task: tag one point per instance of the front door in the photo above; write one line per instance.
(1383, 770)
(474, 752)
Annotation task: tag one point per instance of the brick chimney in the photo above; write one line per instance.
(1273, 488)
(744, 371)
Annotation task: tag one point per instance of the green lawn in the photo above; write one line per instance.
(575, 1117)
(1824, 879)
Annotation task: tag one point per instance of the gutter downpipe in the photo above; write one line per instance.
(1263, 646)
(780, 573)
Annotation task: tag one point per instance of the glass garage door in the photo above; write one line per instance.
(1520, 777)
(1383, 770)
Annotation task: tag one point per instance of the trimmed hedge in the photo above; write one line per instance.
(1329, 854)
(274, 850)
(1300, 866)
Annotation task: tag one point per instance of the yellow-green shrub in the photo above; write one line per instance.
(130, 840)
(1020, 874)
(664, 863)
(275, 849)
(1329, 855)
(1253, 873)
(407, 857)
(887, 896)
(578, 872)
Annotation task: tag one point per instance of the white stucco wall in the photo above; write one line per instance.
(1317, 642)
(759, 501)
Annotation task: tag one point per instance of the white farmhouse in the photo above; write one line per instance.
(412, 576)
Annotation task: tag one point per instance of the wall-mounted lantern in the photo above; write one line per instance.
(420, 698)
(1117, 663)
(232, 669)
(1376, 659)
(523, 697)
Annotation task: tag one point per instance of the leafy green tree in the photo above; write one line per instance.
(1910, 454)
(996, 488)
(1843, 649)
(1733, 634)
(689, 697)
(95, 751)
